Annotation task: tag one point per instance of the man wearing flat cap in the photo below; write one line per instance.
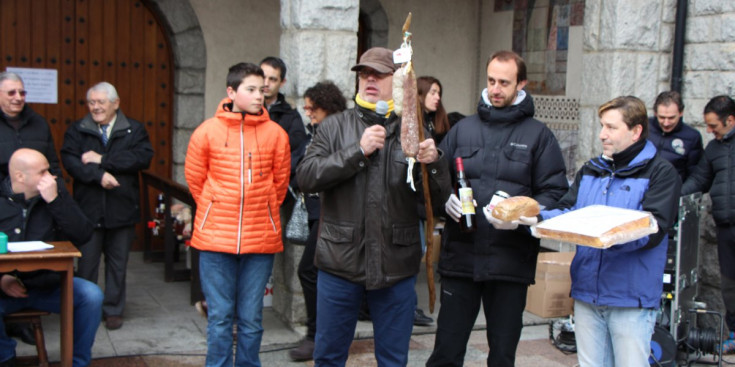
(369, 241)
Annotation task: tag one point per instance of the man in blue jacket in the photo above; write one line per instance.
(714, 173)
(617, 291)
(676, 141)
(33, 207)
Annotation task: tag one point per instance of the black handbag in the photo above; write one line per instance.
(297, 228)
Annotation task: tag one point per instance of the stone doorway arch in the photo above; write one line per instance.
(190, 63)
(373, 26)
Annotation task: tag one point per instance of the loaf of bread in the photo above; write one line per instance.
(514, 207)
(598, 226)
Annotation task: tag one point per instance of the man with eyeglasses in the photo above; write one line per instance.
(104, 152)
(21, 127)
(368, 243)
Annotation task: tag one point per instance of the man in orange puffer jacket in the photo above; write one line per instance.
(237, 167)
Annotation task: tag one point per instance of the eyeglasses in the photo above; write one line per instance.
(308, 108)
(93, 102)
(366, 73)
(11, 93)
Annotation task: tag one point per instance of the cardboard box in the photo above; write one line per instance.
(549, 297)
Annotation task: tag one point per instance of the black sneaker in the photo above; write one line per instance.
(304, 352)
(23, 331)
(420, 319)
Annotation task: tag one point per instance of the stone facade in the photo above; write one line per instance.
(318, 42)
(626, 43)
(628, 47)
(628, 51)
(190, 63)
(709, 70)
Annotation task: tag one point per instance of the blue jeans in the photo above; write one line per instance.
(613, 336)
(87, 316)
(234, 286)
(338, 303)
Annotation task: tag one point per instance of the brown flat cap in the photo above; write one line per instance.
(379, 59)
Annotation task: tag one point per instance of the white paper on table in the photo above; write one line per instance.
(25, 246)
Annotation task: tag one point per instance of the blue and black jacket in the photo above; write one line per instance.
(630, 274)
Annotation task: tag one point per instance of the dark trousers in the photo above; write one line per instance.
(115, 244)
(503, 303)
(307, 276)
(338, 304)
(726, 257)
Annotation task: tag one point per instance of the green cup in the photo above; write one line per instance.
(3, 243)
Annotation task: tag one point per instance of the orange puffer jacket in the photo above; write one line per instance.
(237, 168)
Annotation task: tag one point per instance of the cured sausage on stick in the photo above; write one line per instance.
(409, 121)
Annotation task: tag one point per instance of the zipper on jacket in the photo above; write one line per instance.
(250, 167)
(270, 216)
(242, 181)
(25, 221)
(206, 215)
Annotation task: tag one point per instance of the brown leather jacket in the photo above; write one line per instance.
(369, 225)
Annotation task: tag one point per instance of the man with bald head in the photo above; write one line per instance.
(20, 126)
(34, 208)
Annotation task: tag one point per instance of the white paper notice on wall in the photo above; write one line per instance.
(41, 84)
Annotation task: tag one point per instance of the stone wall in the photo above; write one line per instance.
(709, 70)
(318, 42)
(627, 45)
(190, 63)
(628, 51)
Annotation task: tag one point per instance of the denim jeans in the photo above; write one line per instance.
(613, 336)
(338, 303)
(87, 316)
(234, 286)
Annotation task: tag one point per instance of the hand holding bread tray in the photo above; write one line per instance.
(598, 226)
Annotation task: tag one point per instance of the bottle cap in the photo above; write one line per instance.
(459, 164)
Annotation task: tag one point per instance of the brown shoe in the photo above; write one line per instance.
(201, 307)
(304, 352)
(113, 322)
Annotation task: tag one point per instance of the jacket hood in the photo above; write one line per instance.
(225, 113)
(280, 105)
(6, 189)
(519, 111)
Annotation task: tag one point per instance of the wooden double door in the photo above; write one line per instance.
(89, 41)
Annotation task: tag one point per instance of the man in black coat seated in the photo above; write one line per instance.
(33, 207)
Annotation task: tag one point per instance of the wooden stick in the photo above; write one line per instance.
(429, 230)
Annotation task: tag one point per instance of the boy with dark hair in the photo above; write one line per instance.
(237, 167)
(274, 71)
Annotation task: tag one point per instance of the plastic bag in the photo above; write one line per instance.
(297, 228)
